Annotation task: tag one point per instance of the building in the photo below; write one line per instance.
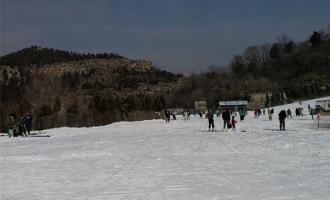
(234, 105)
(260, 100)
(201, 105)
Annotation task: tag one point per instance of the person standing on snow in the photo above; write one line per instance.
(297, 112)
(209, 116)
(289, 113)
(270, 114)
(226, 118)
(233, 123)
(200, 114)
(11, 126)
(167, 116)
(281, 117)
(28, 124)
(242, 113)
(174, 115)
(23, 125)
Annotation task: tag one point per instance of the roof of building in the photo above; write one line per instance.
(233, 103)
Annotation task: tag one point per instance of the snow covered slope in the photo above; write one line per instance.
(179, 160)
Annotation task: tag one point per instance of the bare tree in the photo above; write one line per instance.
(252, 56)
(237, 64)
(264, 53)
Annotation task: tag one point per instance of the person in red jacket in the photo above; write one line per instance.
(233, 122)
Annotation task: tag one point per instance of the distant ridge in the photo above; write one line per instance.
(37, 55)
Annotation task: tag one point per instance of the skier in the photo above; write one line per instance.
(255, 113)
(209, 116)
(167, 116)
(185, 115)
(200, 114)
(226, 119)
(233, 123)
(28, 124)
(289, 113)
(11, 126)
(301, 111)
(281, 117)
(270, 114)
(23, 124)
(173, 115)
(242, 113)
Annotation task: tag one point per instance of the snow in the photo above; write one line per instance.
(179, 160)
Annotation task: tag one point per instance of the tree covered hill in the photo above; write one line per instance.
(296, 70)
(70, 89)
(36, 55)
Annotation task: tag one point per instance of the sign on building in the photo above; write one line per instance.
(235, 105)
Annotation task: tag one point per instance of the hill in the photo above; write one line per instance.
(81, 91)
(38, 56)
(287, 70)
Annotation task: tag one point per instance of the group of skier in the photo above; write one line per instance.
(228, 117)
(229, 121)
(19, 125)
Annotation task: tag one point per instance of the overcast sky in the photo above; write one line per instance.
(177, 35)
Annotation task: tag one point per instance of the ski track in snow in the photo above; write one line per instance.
(178, 160)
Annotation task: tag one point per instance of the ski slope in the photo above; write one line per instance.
(178, 160)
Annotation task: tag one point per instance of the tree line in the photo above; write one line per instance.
(296, 69)
(36, 55)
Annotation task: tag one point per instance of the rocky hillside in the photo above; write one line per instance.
(91, 91)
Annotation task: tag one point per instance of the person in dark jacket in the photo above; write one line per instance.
(289, 113)
(281, 117)
(270, 114)
(209, 116)
(226, 119)
(28, 124)
(167, 116)
(23, 124)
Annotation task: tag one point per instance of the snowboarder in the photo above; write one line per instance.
(226, 119)
(281, 117)
(209, 116)
(233, 123)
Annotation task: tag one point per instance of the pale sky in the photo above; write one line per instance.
(177, 35)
